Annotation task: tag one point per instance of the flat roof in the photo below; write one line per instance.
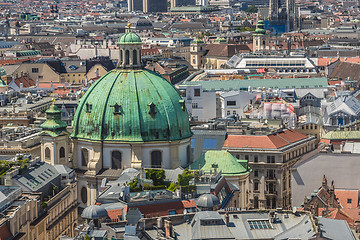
(284, 83)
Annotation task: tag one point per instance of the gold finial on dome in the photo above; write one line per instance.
(129, 24)
(53, 98)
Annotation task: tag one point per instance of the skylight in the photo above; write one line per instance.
(259, 224)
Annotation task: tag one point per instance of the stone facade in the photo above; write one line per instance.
(270, 180)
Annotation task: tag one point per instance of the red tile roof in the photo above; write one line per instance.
(327, 61)
(48, 85)
(344, 195)
(114, 214)
(26, 81)
(150, 52)
(162, 209)
(15, 61)
(272, 141)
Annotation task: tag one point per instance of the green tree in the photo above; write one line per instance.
(172, 187)
(134, 186)
(44, 204)
(252, 9)
(185, 177)
(156, 175)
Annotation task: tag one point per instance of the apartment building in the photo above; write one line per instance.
(271, 158)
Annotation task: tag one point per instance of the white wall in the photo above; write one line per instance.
(206, 103)
(241, 99)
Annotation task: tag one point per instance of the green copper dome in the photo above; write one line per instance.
(129, 38)
(131, 105)
(223, 160)
(53, 124)
(260, 28)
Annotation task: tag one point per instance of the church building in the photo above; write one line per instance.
(130, 118)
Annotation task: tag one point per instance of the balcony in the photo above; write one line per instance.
(270, 178)
(271, 193)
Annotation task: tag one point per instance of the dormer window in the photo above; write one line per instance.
(182, 104)
(88, 108)
(117, 109)
(152, 110)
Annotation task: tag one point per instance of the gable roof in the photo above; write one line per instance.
(334, 229)
(345, 70)
(225, 49)
(346, 104)
(344, 194)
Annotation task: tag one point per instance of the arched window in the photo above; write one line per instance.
(62, 152)
(127, 57)
(116, 160)
(121, 56)
(84, 157)
(188, 155)
(135, 57)
(47, 153)
(83, 195)
(156, 159)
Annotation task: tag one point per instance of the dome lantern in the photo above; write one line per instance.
(129, 50)
(53, 121)
(260, 28)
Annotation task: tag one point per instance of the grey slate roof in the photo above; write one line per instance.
(218, 231)
(288, 226)
(171, 175)
(307, 176)
(37, 176)
(335, 229)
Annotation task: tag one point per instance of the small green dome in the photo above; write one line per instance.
(129, 38)
(220, 40)
(2, 71)
(53, 124)
(197, 40)
(225, 162)
(2, 83)
(131, 105)
(261, 22)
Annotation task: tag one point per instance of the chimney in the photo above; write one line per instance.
(227, 219)
(168, 228)
(324, 182)
(332, 194)
(159, 223)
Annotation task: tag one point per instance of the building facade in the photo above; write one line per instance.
(271, 158)
(131, 117)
